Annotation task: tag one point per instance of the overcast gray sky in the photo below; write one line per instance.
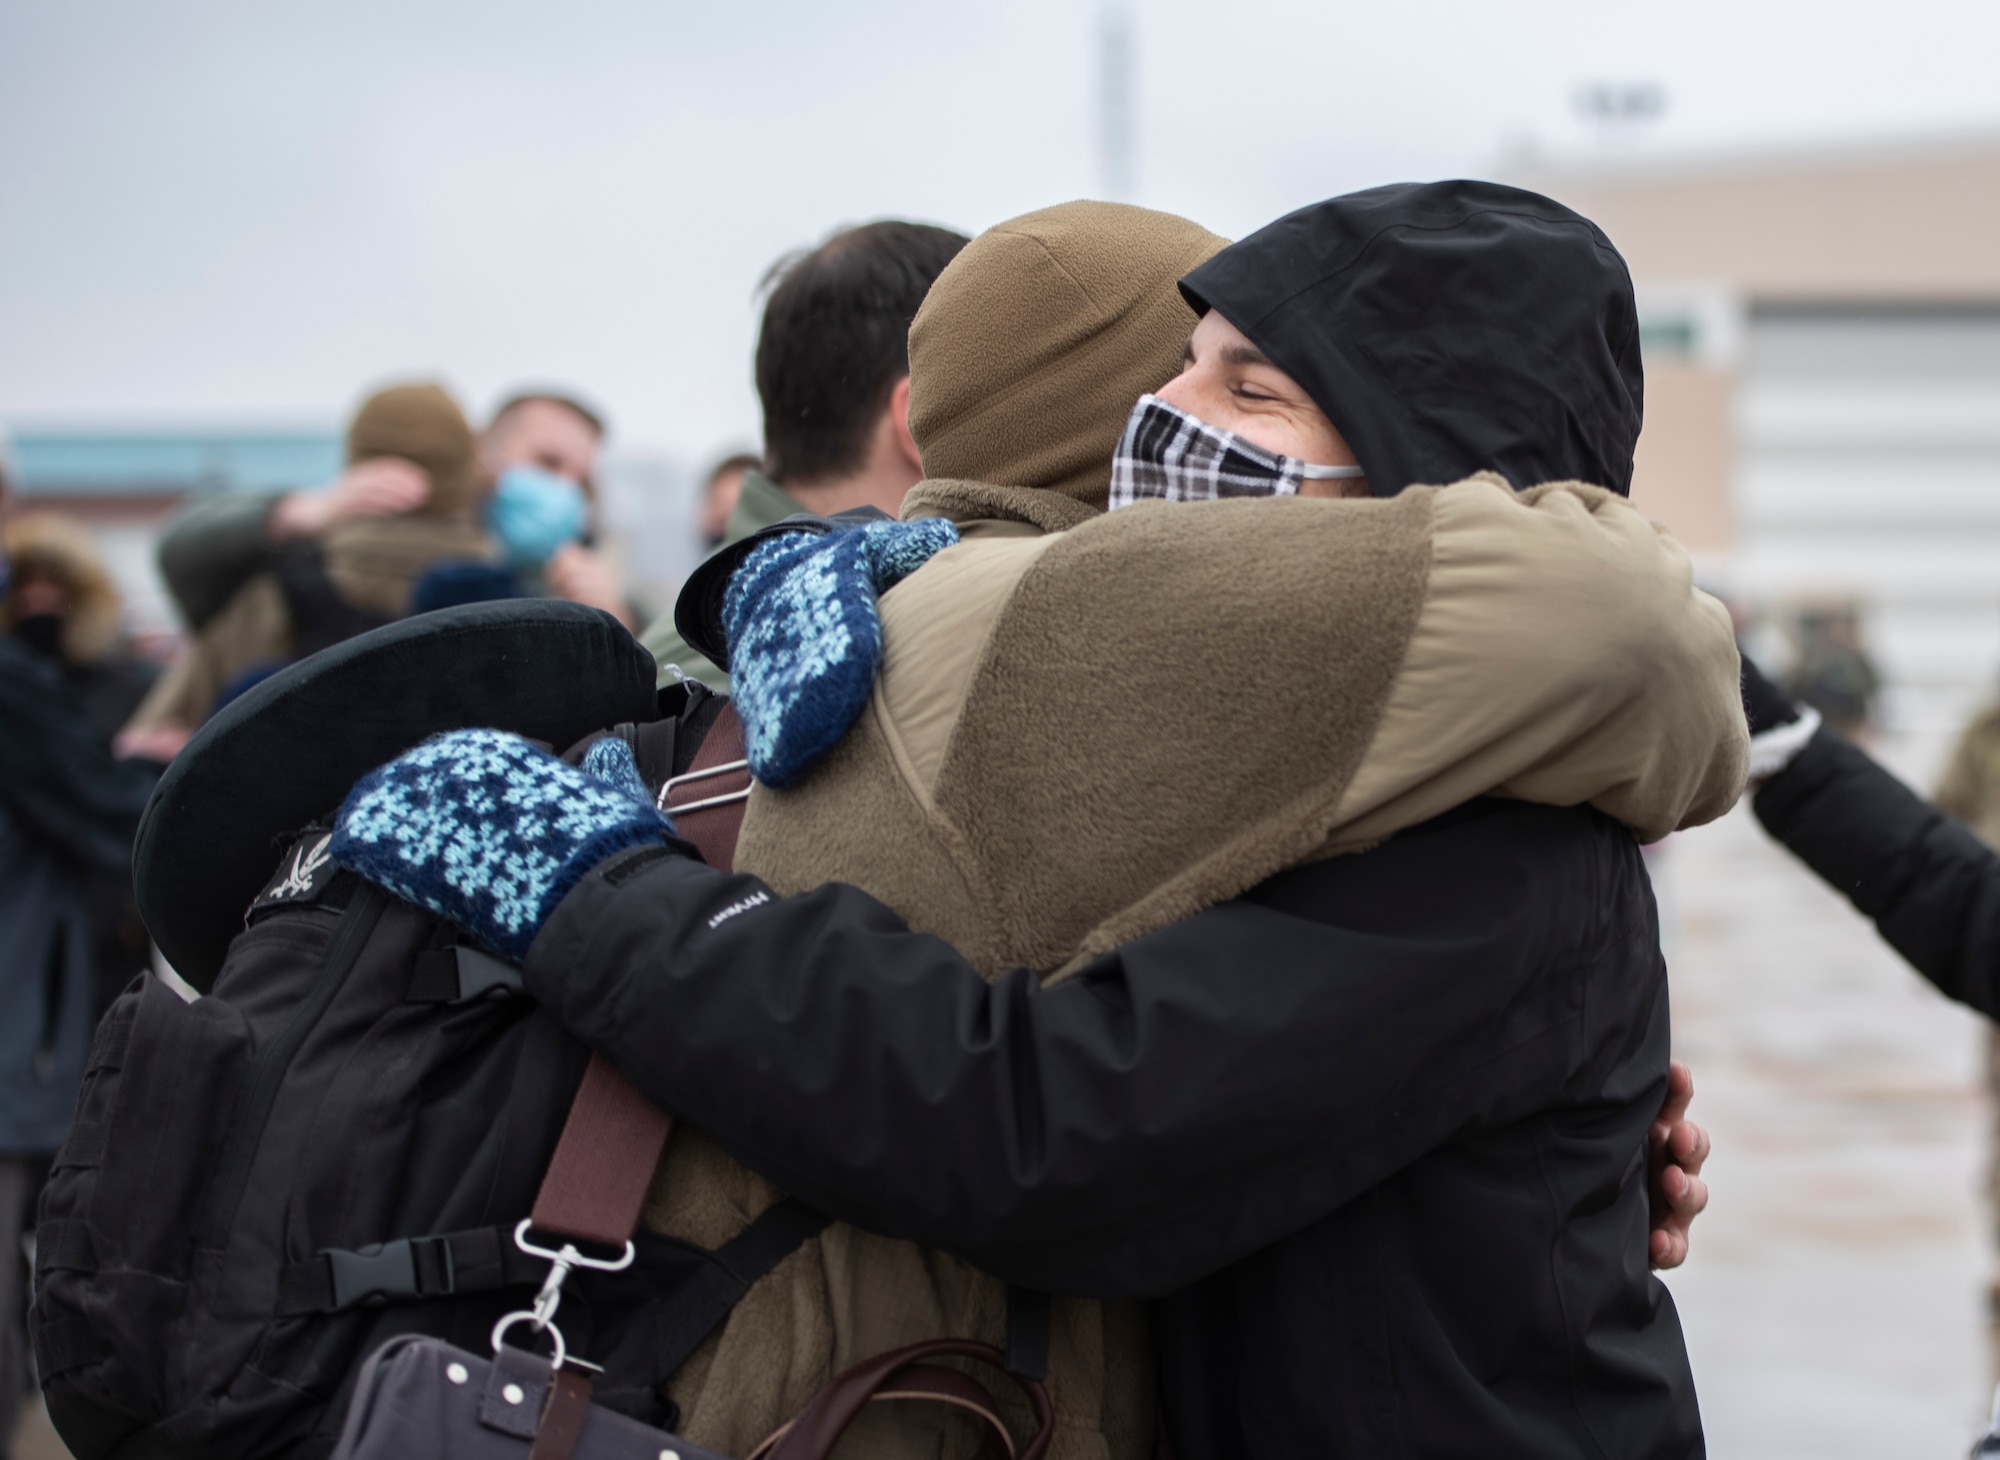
(215, 212)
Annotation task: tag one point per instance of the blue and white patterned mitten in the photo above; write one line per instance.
(804, 636)
(482, 828)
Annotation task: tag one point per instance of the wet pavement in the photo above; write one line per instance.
(1835, 1301)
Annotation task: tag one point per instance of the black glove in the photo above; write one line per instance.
(1780, 727)
(1764, 703)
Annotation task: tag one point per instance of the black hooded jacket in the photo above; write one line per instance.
(1447, 328)
(1375, 1133)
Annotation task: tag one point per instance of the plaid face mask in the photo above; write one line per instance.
(1169, 456)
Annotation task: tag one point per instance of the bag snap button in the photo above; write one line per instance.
(456, 1373)
(670, 1455)
(513, 1394)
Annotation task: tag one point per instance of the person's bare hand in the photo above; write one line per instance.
(382, 486)
(1676, 1149)
(581, 575)
(154, 742)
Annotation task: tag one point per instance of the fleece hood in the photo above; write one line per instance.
(1445, 329)
(1033, 343)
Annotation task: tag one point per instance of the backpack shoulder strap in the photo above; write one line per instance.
(707, 800)
(596, 1183)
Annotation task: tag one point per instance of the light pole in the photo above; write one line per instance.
(1114, 103)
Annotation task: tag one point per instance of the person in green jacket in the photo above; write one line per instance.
(216, 545)
(833, 376)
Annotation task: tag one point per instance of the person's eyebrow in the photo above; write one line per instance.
(1245, 355)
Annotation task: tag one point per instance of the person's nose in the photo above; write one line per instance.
(1183, 392)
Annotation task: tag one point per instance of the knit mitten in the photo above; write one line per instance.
(804, 636)
(485, 830)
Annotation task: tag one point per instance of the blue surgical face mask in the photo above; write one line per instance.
(533, 512)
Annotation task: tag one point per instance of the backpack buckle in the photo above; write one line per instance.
(383, 1270)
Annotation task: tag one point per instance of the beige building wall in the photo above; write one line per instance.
(1823, 389)
(1890, 224)
(1686, 459)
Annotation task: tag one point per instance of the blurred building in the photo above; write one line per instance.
(1822, 336)
(126, 483)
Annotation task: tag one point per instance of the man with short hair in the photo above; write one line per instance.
(543, 428)
(555, 438)
(719, 491)
(833, 376)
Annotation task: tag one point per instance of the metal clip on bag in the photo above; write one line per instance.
(421, 1396)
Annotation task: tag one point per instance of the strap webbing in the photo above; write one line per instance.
(563, 1417)
(699, 1305)
(408, 1270)
(434, 974)
(596, 1183)
(1028, 1314)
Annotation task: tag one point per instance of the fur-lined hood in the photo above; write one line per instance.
(48, 544)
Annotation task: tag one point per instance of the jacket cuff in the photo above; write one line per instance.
(1774, 749)
(1846, 817)
(558, 969)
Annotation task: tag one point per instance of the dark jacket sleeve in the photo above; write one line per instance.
(212, 549)
(57, 771)
(1930, 886)
(1184, 1101)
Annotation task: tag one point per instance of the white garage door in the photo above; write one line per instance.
(1869, 468)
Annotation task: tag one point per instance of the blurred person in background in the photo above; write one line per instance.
(1833, 672)
(536, 489)
(355, 572)
(1925, 874)
(68, 814)
(1970, 791)
(833, 376)
(719, 491)
(540, 451)
(60, 601)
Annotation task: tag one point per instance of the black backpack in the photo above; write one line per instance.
(335, 1146)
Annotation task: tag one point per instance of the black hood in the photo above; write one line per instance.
(1447, 328)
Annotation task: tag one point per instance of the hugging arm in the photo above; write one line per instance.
(1183, 1101)
(1930, 886)
(213, 548)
